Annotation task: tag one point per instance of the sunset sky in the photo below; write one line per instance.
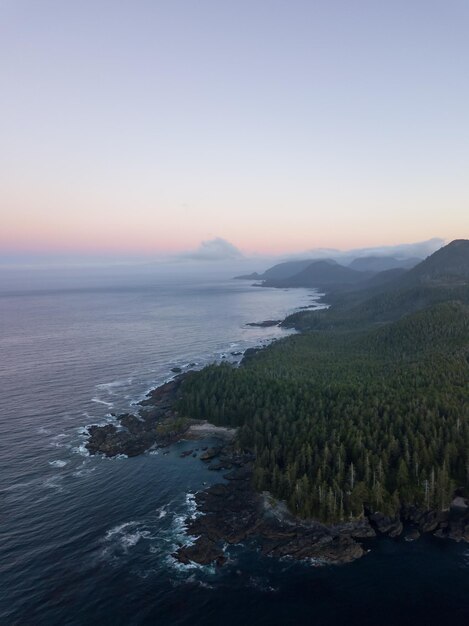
(149, 126)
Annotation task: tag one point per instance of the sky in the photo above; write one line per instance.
(149, 127)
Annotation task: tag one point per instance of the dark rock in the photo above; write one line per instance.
(135, 425)
(203, 551)
(396, 530)
(466, 533)
(357, 529)
(386, 525)
(265, 323)
(241, 473)
(412, 535)
(164, 395)
(176, 370)
(156, 424)
(456, 533)
(459, 504)
(429, 522)
(186, 453)
(210, 453)
(249, 353)
(220, 465)
(234, 512)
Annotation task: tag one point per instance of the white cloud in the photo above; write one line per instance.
(216, 249)
(420, 249)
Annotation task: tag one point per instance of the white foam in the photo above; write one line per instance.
(83, 472)
(118, 529)
(19, 485)
(109, 387)
(59, 444)
(117, 457)
(130, 540)
(127, 535)
(81, 450)
(58, 463)
(99, 401)
(162, 512)
(192, 506)
(52, 483)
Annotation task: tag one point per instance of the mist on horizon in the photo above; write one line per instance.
(212, 259)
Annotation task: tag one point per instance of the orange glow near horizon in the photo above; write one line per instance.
(35, 240)
(112, 228)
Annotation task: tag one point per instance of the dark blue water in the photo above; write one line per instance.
(89, 540)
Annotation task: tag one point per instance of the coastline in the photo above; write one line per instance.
(156, 423)
(234, 512)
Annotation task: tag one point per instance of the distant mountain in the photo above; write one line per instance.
(382, 263)
(380, 280)
(448, 267)
(281, 271)
(442, 277)
(369, 265)
(449, 264)
(321, 274)
(253, 276)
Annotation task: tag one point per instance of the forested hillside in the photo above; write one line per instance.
(367, 408)
(339, 422)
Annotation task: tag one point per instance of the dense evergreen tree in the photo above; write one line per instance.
(351, 418)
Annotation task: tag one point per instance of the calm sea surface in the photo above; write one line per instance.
(89, 540)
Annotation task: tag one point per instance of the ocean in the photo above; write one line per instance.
(89, 540)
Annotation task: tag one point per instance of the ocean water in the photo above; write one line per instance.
(89, 540)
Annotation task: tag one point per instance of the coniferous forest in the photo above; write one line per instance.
(358, 411)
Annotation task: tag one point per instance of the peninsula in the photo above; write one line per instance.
(356, 426)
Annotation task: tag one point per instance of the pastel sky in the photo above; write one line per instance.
(146, 126)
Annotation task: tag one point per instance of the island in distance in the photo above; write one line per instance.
(357, 425)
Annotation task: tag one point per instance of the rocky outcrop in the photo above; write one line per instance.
(156, 424)
(385, 525)
(233, 512)
(209, 454)
(265, 323)
(412, 535)
(111, 441)
(452, 523)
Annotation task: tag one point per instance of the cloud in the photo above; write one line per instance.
(420, 249)
(216, 249)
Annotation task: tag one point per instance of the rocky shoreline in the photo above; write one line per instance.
(233, 511)
(157, 424)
